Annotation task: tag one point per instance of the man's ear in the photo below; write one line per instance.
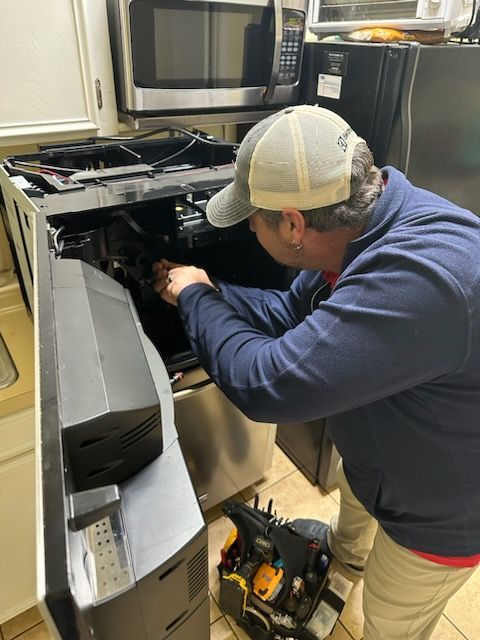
(296, 223)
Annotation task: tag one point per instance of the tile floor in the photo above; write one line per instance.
(293, 497)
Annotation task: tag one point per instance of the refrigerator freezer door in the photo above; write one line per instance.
(361, 82)
(443, 115)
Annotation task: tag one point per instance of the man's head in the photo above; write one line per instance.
(306, 160)
(300, 158)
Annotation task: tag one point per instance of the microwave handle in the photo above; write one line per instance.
(278, 28)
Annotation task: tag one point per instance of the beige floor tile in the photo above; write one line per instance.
(215, 612)
(446, 631)
(39, 632)
(21, 623)
(294, 497)
(335, 495)
(464, 608)
(221, 630)
(340, 633)
(281, 467)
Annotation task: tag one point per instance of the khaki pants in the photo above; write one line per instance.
(403, 594)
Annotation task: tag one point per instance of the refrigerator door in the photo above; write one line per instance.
(436, 133)
(361, 82)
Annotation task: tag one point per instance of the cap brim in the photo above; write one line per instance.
(225, 208)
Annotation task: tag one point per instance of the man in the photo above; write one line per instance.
(392, 356)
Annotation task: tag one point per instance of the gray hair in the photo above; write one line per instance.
(366, 184)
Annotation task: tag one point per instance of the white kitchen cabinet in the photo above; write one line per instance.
(17, 460)
(17, 514)
(56, 80)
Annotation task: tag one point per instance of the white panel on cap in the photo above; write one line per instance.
(303, 160)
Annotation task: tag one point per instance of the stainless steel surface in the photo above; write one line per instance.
(140, 99)
(224, 450)
(204, 99)
(443, 154)
(152, 122)
(278, 27)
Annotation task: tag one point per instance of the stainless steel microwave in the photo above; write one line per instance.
(191, 56)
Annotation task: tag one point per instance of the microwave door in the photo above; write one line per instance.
(118, 521)
(192, 55)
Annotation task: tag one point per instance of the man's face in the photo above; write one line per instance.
(320, 250)
(276, 241)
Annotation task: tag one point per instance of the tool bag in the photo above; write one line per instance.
(272, 579)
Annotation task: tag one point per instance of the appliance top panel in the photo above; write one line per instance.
(85, 177)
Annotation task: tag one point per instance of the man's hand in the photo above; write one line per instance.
(170, 278)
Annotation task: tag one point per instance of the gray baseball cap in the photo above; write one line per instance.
(300, 157)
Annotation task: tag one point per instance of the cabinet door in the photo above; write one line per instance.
(17, 538)
(57, 80)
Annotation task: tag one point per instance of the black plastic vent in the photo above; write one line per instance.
(140, 431)
(197, 573)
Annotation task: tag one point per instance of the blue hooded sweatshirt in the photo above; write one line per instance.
(392, 357)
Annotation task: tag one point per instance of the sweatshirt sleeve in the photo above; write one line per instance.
(271, 312)
(378, 334)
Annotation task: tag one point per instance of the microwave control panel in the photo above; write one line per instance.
(292, 46)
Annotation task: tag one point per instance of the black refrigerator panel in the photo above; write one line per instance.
(361, 82)
(309, 446)
(417, 106)
(437, 123)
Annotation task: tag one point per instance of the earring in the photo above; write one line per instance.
(297, 247)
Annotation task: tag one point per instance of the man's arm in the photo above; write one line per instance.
(271, 312)
(378, 334)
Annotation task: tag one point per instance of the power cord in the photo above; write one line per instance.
(215, 143)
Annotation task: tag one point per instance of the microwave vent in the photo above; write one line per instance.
(197, 572)
(140, 431)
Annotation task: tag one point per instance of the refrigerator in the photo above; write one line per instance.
(417, 106)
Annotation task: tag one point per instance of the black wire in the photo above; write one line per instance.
(196, 138)
(139, 137)
(215, 143)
